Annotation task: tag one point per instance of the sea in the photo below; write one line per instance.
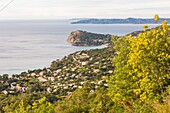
(33, 44)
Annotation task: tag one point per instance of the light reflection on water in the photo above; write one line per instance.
(26, 45)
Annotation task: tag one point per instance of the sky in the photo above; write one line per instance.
(67, 9)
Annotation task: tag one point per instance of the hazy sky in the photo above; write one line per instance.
(59, 9)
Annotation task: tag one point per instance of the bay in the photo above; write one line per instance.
(33, 44)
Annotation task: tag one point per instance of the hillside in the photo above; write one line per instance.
(62, 77)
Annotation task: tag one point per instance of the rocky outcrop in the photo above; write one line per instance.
(83, 38)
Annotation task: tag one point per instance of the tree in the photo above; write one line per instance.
(100, 102)
(120, 84)
(145, 27)
(156, 17)
(142, 70)
(23, 108)
(77, 103)
(42, 106)
(149, 60)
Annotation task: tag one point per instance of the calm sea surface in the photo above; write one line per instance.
(26, 45)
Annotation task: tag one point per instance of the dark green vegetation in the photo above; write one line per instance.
(120, 21)
(83, 38)
(58, 81)
(142, 75)
(86, 81)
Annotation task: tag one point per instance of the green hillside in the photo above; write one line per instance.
(132, 76)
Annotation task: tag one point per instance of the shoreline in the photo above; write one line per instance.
(20, 58)
(48, 65)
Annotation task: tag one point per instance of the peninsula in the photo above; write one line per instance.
(83, 38)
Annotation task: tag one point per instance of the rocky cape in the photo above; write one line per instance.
(83, 38)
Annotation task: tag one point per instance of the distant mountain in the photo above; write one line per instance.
(81, 18)
(119, 21)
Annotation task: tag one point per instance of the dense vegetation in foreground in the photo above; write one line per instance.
(84, 82)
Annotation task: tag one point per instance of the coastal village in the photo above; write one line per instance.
(65, 75)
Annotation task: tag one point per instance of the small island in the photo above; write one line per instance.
(83, 38)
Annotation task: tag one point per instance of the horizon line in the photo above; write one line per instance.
(74, 18)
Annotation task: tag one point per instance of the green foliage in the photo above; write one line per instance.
(22, 108)
(163, 107)
(100, 102)
(27, 103)
(142, 71)
(16, 104)
(77, 103)
(42, 106)
(118, 83)
(149, 61)
(86, 100)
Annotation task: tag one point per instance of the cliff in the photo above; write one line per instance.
(83, 38)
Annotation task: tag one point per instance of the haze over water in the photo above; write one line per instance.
(27, 45)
